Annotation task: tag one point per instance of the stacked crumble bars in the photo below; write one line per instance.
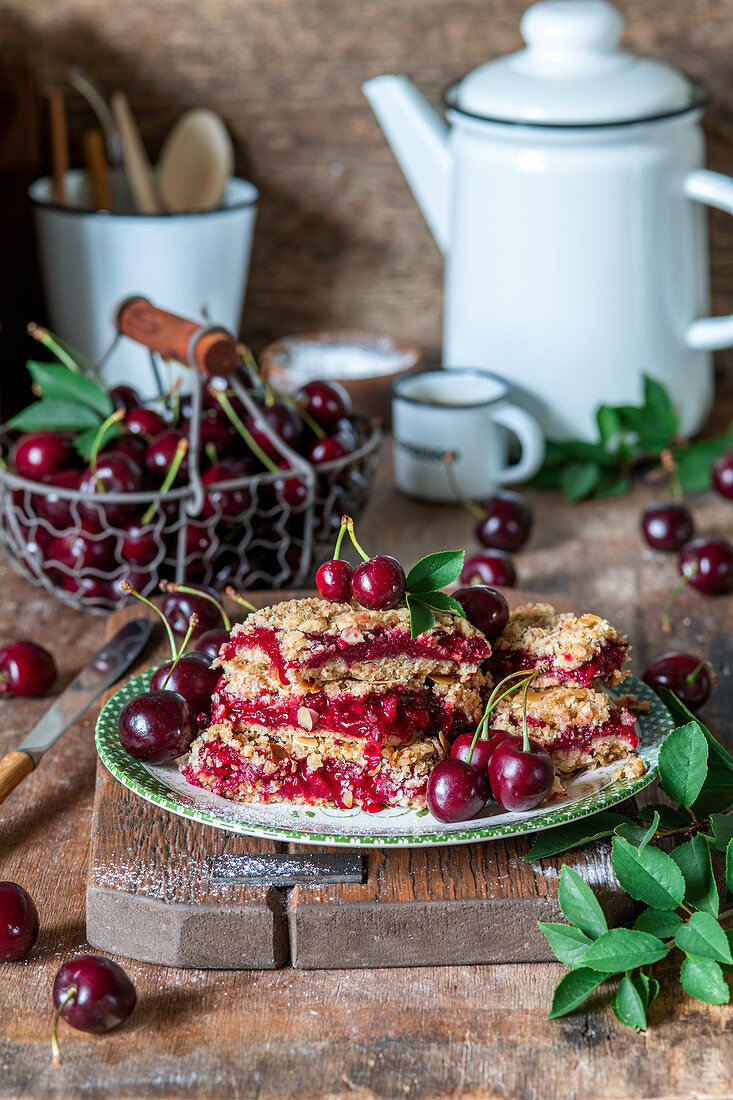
(568, 710)
(331, 705)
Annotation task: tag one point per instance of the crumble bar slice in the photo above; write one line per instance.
(579, 727)
(575, 649)
(257, 766)
(314, 640)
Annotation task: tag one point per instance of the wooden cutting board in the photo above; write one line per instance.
(156, 891)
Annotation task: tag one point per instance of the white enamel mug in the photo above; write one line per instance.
(462, 417)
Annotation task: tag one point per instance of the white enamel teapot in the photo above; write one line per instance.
(565, 191)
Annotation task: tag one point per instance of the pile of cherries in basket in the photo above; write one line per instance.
(88, 547)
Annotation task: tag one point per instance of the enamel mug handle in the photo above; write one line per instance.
(531, 438)
(714, 189)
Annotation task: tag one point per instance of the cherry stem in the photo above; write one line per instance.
(692, 676)
(234, 595)
(246, 436)
(55, 345)
(211, 453)
(170, 477)
(168, 586)
(55, 1052)
(352, 535)
(469, 505)
(251, 365)
(192, 622)
(684, 579)
(127, 587)
(494, 700)
(104, 427)
(670, 468)
(525, 731)
(340, 537)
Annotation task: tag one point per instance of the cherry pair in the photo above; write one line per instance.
(377, 584)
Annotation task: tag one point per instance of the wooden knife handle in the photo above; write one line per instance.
(213, 351)
(13, 768)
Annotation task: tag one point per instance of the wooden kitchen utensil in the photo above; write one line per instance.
(59, 143)
(137, 165)
(97, 170)
(196, 163)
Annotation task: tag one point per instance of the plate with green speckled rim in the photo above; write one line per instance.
(164, 786)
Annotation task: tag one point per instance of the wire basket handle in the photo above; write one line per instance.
(211, 349)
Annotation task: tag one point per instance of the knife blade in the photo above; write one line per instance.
(105, 667)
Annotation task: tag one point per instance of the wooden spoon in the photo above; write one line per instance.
(196, 163)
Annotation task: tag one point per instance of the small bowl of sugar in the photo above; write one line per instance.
(364, 363)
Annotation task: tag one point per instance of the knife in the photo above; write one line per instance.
(114, 658)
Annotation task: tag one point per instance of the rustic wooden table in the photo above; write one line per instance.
(473, 1031)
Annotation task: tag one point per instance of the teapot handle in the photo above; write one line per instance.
(714, 189)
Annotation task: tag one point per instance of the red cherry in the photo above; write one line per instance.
(125, 397)
(687, 676)
(192, 678)
(325, 402)
(333, 580)
(491, 567)
(178, 607)
(160, 454)
(214, 436)
(456, 791)
(18, 922)
(227, 504)
(708, 565)
(379, 583)
(507, 523)
(210, 643)
(485, 608)
(723, 476)
(40, 453)
(114, 474)
(89, 590)
(52, 506)
(666, 525)
(284, 422)
(133, 447)
(76, 551)
(103, 994)
(328, 449)
(26, 669)
(156, 727)
(520, 780)
(140, 543)
(142, 421)
(483, 749)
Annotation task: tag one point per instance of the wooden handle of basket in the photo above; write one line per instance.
(13, 769)
(213, 351)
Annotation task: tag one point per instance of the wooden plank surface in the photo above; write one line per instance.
(473, 1031)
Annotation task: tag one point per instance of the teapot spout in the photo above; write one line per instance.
(419, 140)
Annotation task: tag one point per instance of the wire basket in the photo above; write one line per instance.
(257, 531)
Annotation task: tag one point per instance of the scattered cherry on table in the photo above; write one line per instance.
(507, 522)
(667, 525)
(707, 565)
(491, 567)
(723, 476)
(687, 676)
(26, 669)
(92, 994)
(18, 922)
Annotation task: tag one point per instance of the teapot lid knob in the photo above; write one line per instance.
(571, 33)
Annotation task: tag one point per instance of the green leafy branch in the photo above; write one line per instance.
(627, 436)
(69, 400)
(676, 886)
(424, 582)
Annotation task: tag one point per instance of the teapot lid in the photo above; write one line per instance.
(573, 72)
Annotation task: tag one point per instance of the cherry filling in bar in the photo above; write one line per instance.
(255, 767)
(569, 649)
(396, 715)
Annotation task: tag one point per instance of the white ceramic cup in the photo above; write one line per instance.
(91, 261)
(468, 414)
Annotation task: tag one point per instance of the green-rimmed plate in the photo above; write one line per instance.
(163, 785)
